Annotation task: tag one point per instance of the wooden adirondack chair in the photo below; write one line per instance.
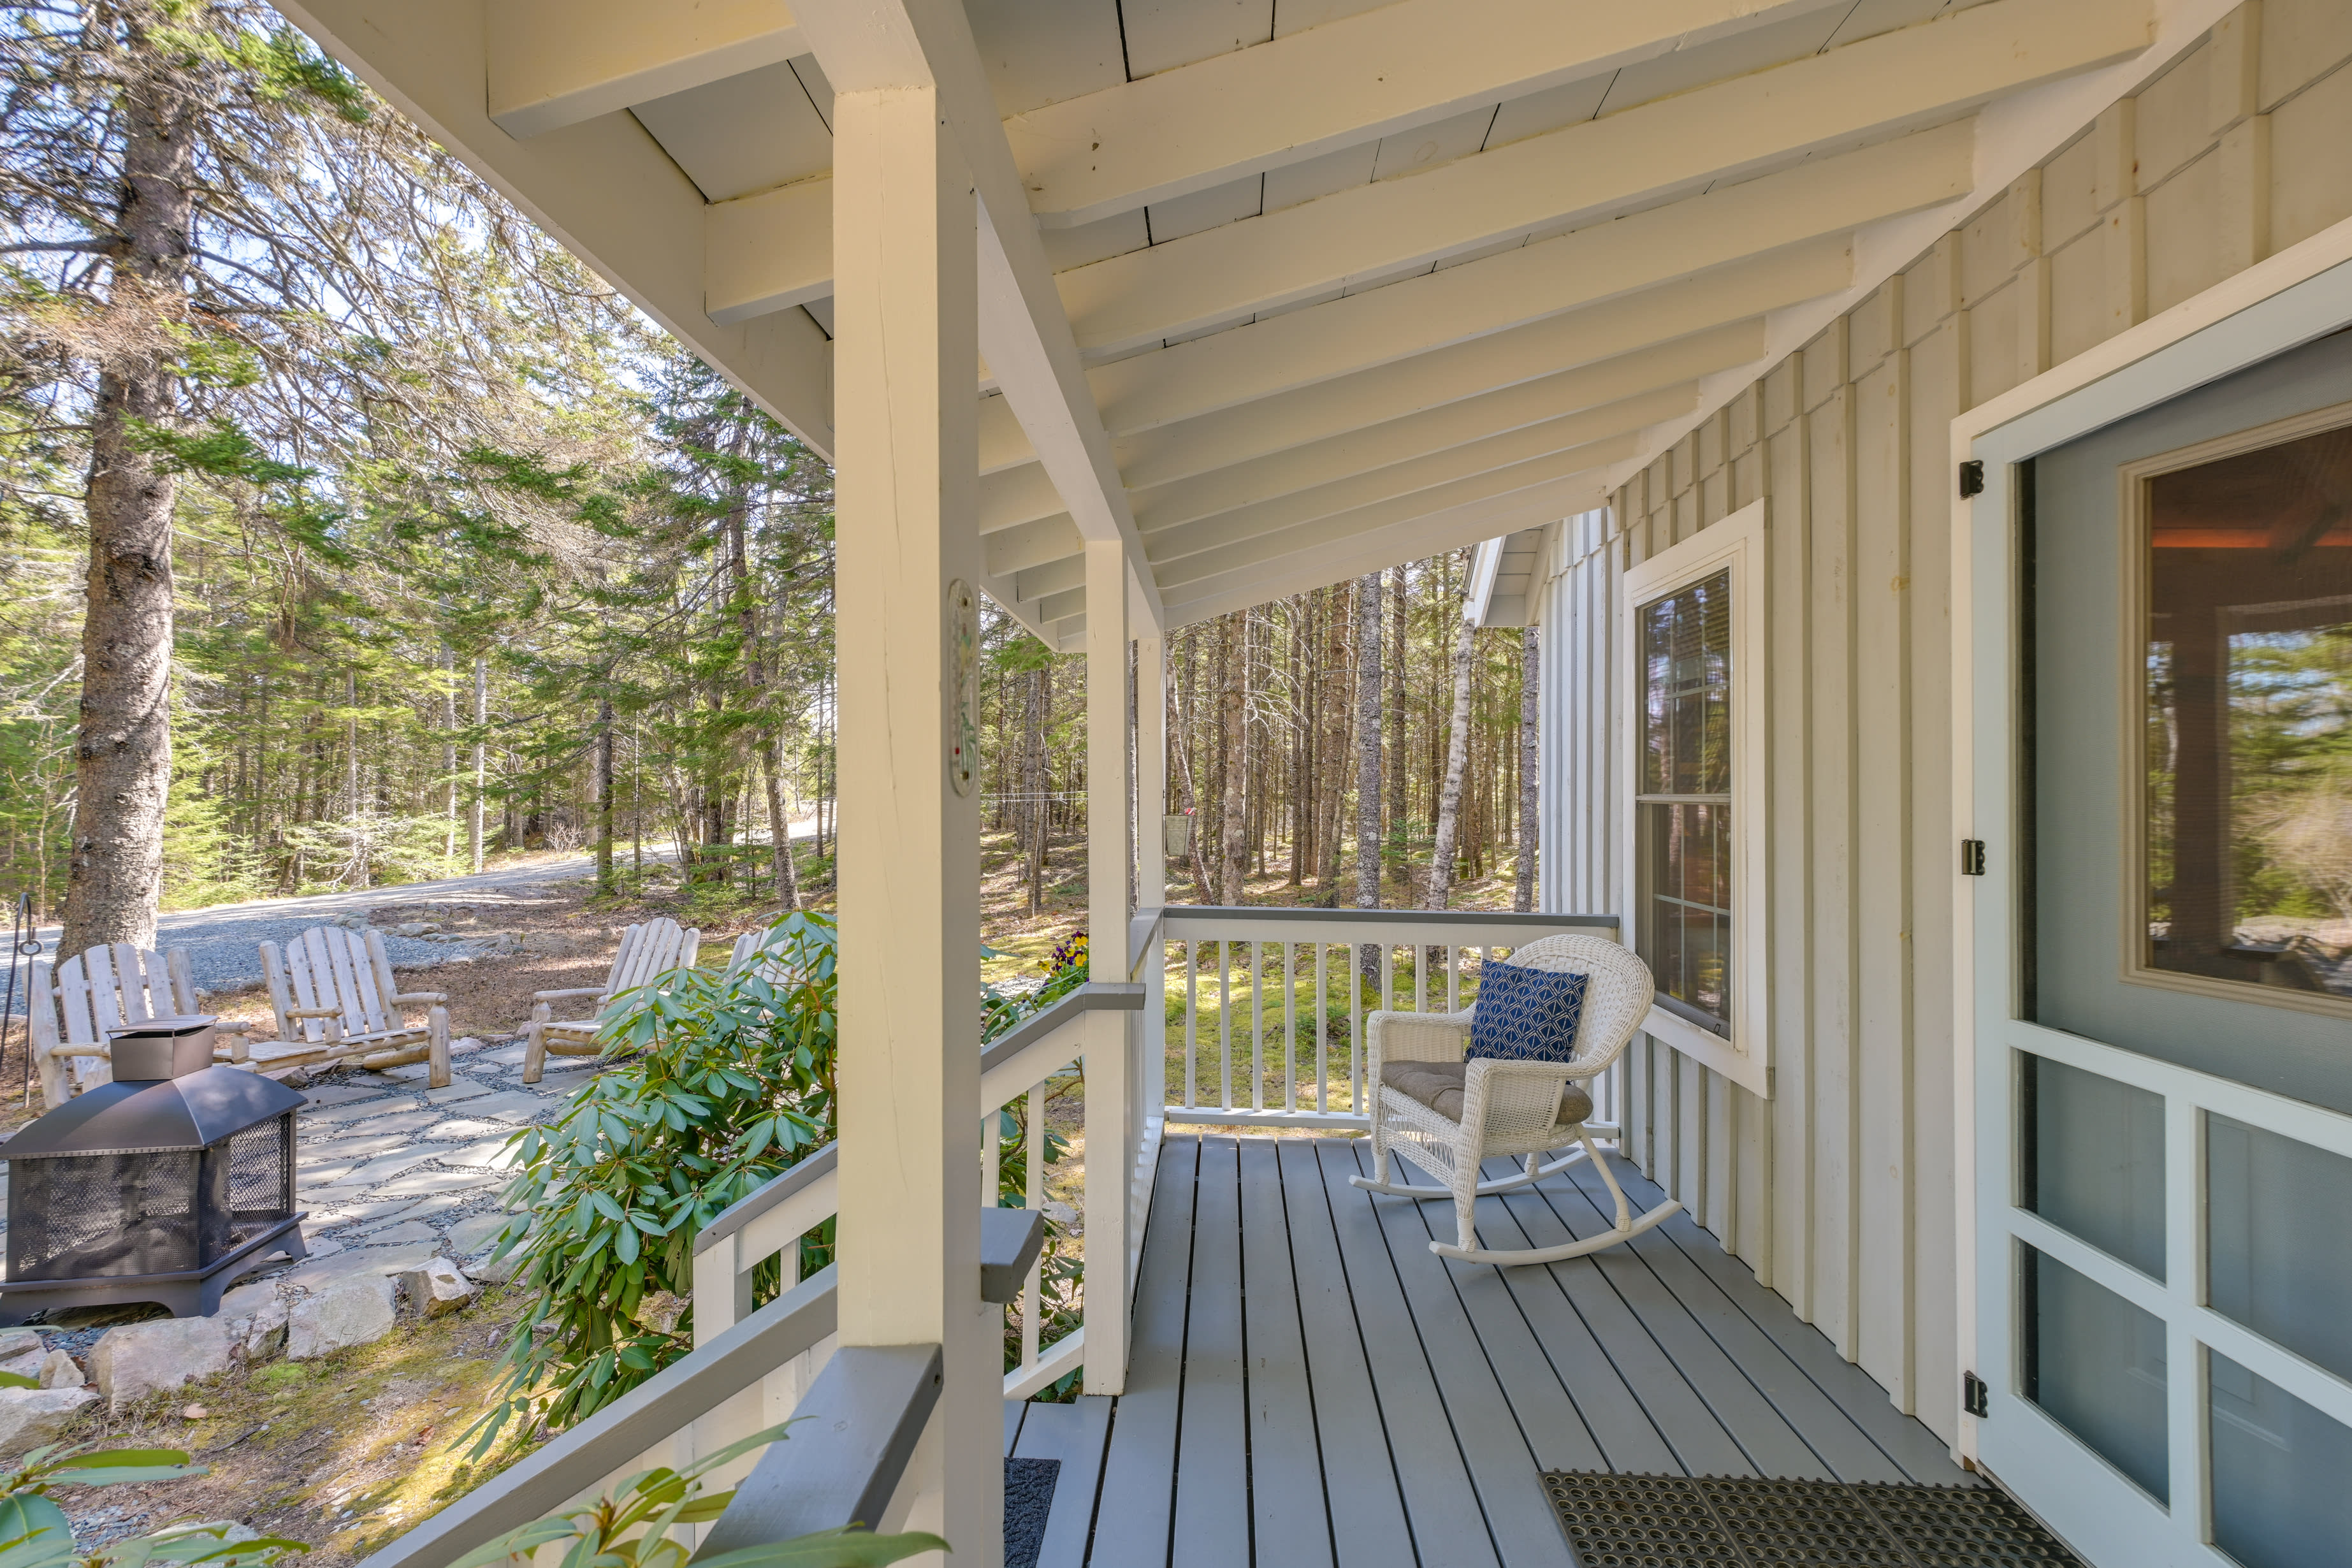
(103, 989)
(333, 994)
(645, 951)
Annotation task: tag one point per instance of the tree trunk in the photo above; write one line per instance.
(1530, 753)
(1397, 845)
(605, 795)
(449, 748)
(122, 762)
(1368, 741)
(352, 778)
(1449, 798)
(1233, 712)
(1196, 823)
(481, 753)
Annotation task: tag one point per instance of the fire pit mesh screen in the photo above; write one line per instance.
(97, 1214)
(261, 1174)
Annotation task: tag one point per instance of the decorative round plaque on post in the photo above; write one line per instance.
(963, 678)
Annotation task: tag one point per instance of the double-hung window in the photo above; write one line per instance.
(1692, 634)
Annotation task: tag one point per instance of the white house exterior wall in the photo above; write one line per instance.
(1838, 1189)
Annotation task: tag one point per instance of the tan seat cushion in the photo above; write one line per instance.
(1438, 1085)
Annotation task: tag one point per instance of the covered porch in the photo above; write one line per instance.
(1128, 316)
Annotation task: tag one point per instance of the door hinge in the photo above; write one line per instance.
(1972, 858)
(1971, 477)
(1976, 1398)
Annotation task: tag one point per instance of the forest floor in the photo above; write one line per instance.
(344, 1453)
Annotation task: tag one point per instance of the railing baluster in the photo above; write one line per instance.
(990, 1161)
(1192, 1020)
(1419, 979)
(1031, 1299)
(1226, 1021)
(1387, 978)
(1356, 1101)
(1289, 1029)
(1322, 1018)
(1258, 1026)
(1454, 980)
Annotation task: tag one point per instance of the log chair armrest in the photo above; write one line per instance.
(562, 996)
(441, 996)
(314, 1011)
(231, 1026)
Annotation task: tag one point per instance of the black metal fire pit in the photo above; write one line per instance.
(163, 1186)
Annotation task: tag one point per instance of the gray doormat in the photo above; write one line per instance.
(1667, 1521)
(1028, 1504)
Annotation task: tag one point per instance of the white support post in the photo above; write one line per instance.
(1110, 1128)
(1150, 767)
(905, 247)
(1148, 1090)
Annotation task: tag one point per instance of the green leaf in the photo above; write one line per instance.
(519, 1542)
(18, 1379)
(34, 1532)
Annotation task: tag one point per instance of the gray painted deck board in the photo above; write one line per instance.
(1360, 1473)
(1289, 1520)
(1212, 1460)
(1827, 1430)
(1435, 1476)
(1398, 1407)
(1075, 1433)
(1138, 1484)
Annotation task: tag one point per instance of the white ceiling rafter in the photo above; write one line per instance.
(1871, 91)
(553, 63)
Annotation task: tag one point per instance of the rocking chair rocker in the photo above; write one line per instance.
(1446, 1114)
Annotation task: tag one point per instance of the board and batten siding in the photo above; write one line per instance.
(1838, 1190)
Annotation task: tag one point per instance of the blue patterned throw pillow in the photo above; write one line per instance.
(1527, 1014)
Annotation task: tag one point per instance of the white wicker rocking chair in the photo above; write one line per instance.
(1504, 1108)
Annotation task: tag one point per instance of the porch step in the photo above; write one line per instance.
(1075, 1435)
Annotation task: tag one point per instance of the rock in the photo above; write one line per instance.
(354, 1312)
(499, 1272)
(415, 928)
(29, 1364)
(194, 1413)
(141, 1359)
(475, 1232)
(59, 1370)
(227, 1530)
(244, 1301)
(260, 1334)
(436, 1289)
(15, 1343)
(32, 1416)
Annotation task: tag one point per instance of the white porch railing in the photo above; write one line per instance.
(1244, 977)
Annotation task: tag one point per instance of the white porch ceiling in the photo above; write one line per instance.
(1305, 288)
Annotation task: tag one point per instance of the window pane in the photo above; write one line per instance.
(1687, 689)
(2276, 1261)
(2279, 1467)
(2248, 863)
(1685, 915)
(2094, 1363)
(2094, 1160)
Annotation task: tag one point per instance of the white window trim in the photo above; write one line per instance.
(1737, 542)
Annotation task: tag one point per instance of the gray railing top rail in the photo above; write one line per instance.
(1119, 996)
(1189, 914)
(865, 1412)
(671, 1399)
(759, 1201)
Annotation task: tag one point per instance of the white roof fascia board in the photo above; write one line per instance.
(876, 45)
(2015, 135)
(603, 188)
(553, 63)
(1485, 558)
(1363, 77)
(1379, 549)
(1821, 201)
(1032, 544)
(1875, 89)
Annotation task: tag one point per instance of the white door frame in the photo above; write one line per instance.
(2299, 295)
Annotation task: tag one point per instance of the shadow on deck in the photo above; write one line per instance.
(1311, 1385)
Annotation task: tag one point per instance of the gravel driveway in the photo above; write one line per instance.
(222, 942)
